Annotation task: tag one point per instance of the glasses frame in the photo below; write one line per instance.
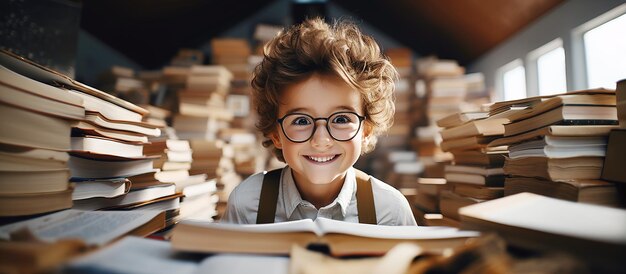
(361, 119)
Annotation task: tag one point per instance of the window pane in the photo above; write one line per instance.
(514, 83)
(605, 52)
(551, 72)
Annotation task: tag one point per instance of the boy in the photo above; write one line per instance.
(322, 93)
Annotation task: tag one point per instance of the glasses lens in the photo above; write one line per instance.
(344, 125)
(298, 127)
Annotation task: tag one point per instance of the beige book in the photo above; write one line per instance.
(478, 192)
(91, 128)
(29, 129)
(450, 203)
(136, 127)
(565, 114)
(45, 75)
(498, 107)
(101, 145)
(23, 182)
(555, 130)
(591, 232)
(484, 127)
(342, 238)
(585, 191)
(555, 169)
(39, 103)
(34, 203)
(480, 158)
(467, 143)
(14, 158)
(573, 99)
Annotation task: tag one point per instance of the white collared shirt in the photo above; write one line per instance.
(392, 208)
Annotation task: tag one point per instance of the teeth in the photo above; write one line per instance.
(321, 159)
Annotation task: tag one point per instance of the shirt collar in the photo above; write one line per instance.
(292, 197)
(347, 191)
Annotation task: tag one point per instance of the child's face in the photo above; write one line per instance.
(321, 159)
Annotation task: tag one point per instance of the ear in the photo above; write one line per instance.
(367, 132)
(276, 140)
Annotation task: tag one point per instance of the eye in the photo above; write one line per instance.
(342, 119)
(301, 121)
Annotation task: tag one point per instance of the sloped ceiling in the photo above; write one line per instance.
(150, 32)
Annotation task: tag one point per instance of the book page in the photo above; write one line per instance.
(133, 255)
(392, 232)
(292, 226)
(540, 213)
(93, 227)
(244, 263)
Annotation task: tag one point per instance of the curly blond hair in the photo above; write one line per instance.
(339, 49)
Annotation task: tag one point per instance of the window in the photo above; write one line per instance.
(546, 73)
(513, 77)
(551, 72)
(605, 53)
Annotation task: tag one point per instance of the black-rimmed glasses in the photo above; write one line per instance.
(342, 126)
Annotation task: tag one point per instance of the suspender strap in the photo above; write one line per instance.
(365, 198)
(269, 197)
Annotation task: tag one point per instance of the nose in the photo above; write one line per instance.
(321, 137)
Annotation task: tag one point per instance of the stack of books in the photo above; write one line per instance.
(202, 110)
(216, 159)
(174, 159)
(442, 85)
(200, 198)
(232, 53)
(476, 172)
(123, 83)
(397, 135)
(557, 147)
(107, 161)
(426, 202)
(403, 168)
(612, 169)
(158, 116)
(247, 158)
(36, 131)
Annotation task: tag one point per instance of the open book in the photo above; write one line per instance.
(595, 233)
(342, 238)
(94, 228)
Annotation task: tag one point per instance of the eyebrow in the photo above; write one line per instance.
(306, 110)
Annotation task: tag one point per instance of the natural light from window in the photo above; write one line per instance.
(551, 72)
(605, 53)
(514, 83)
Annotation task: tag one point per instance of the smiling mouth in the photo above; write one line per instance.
(322, 160)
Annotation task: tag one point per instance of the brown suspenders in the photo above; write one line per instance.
(365, 198)
(269, 198)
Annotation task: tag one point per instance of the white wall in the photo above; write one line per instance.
(557, 23)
